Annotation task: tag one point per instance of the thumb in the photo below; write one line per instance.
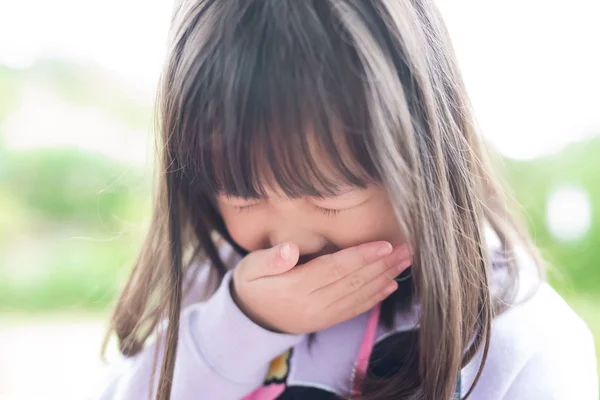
(273, 261)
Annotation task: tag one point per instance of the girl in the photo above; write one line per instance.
(323, 185)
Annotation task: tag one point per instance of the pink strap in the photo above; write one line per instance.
(269, 392)
(272, 391)
(366, 347)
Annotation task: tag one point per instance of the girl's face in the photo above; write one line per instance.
(317, 225)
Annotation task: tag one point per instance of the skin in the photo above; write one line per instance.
(316, 226)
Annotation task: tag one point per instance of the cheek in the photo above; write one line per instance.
(244, 229)
(376, 222)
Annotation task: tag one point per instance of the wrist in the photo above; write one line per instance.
(229, 342)
(247, 312)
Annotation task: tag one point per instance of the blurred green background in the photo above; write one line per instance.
(72, 217)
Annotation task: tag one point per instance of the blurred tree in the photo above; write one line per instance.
(68, 185)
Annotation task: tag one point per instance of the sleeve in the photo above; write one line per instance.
(221, 355)
(561, 372)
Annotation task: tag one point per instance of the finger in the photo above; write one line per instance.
(362, 300)
(331, 268)
(269, 262)
(390, 266)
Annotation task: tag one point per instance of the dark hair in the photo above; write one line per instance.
(254, 91)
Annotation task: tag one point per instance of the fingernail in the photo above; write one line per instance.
(384, 250)
(285, 252)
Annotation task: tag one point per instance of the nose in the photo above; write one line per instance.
(290, 224)
(310, 244)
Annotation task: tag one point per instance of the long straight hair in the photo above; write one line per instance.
(254, 92)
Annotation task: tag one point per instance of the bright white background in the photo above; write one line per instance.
(531, 66)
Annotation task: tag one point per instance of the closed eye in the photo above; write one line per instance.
(244, 208)
(328, 211)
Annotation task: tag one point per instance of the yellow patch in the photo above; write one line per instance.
(278, 369)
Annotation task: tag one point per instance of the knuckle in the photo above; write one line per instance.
(337, 269)
(355, 282)
(361, 255)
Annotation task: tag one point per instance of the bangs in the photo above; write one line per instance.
(276, 104)
(315, 161)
